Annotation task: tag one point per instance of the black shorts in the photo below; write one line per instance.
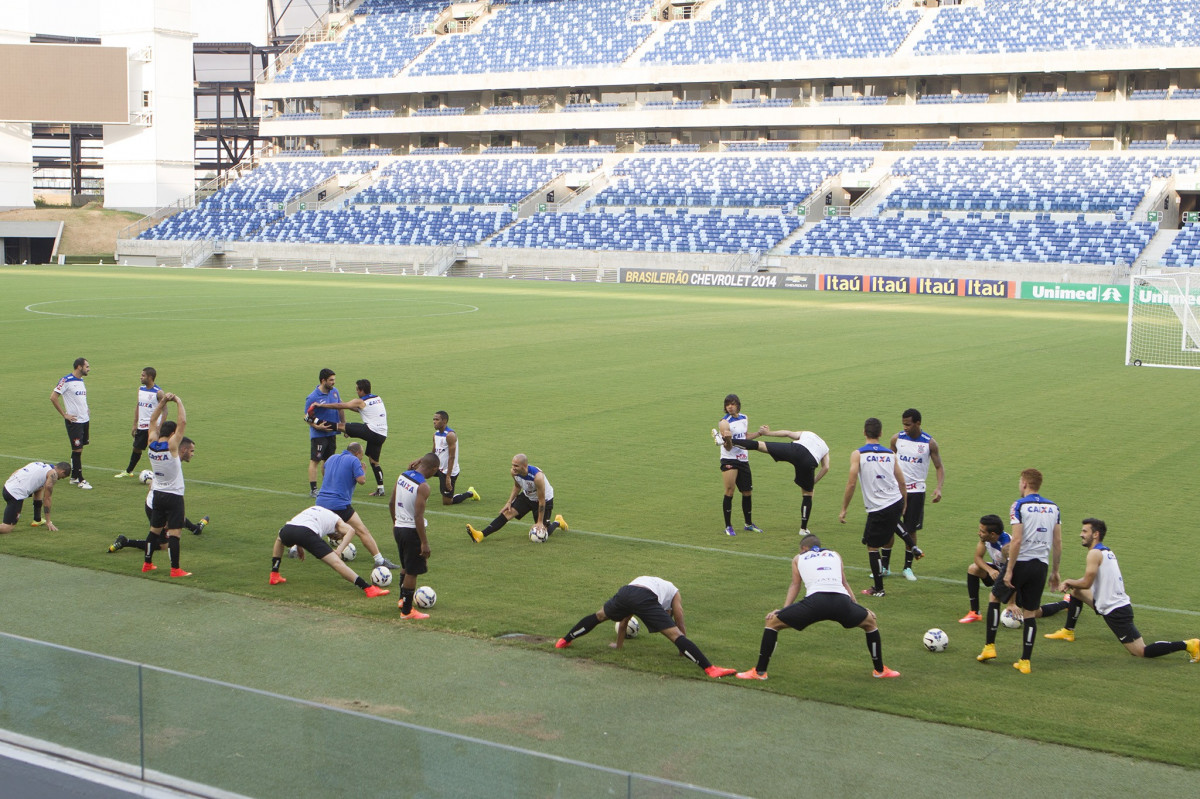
(77, 432)
(373, 439)
(12, 508)
(344, 514)
(1029, 581)
(745, 482)
(321, 448)
(882, 524)
(523, 504)
(1120, 621)
(168, 511)
(797, 455)
(446, 483)
(140, 439)
(1001, 591)
(914, 514)
(637, 600)
(825, 606)
(295, 535)
(409, 544)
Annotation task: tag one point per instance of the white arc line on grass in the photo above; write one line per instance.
(577, 531)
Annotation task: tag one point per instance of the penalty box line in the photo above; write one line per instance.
(594, 534)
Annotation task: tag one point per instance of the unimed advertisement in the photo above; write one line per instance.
(1074, 292)
(748, 280)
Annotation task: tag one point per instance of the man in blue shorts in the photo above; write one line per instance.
(344, 473)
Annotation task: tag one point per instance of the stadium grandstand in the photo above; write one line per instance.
(737, 135)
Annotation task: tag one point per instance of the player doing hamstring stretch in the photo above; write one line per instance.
(657, 603)
(306, 531)
(373, 428)
(531, 492)
(36, 480)
(809, 455)
(1103, 590)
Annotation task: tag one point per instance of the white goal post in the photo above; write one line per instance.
(1162, 329)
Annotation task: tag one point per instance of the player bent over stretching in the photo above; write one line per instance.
(304, 531)
(657, 603)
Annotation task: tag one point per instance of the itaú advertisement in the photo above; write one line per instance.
(949, 286)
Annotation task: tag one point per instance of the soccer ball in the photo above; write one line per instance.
(538, 534)
(293, 551)
(1011, 620)
(350, 552)
(146, 476)
(632, 629)
(936, 640)
(381, 576)
(425, 597)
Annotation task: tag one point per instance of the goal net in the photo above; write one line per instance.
(1162, 328)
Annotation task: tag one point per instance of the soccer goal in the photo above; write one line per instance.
(1162, 328)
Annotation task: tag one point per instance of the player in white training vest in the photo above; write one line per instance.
(806, 451)
(147, 399)
(1036, 546)
(373, 428)
(409, 498)
(917, 450)
(1102, 588)
(827, 597)
(307, 531)
(531, 492)
(71, 392)
(883, 494)
(445, 446)
(658, 604)
(35, 480)
(991, 556)
(732, 433)
(169, 450)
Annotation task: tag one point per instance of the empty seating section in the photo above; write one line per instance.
(735, 181)
(942, 99)
(543, 34)
(372, 113)
(1058, 97)
(1185, 94)
(1022, 26)
(417, 226)
(1040, 241)
(674, 105)
(784, 30)
(677, 230)
(468, 181)
(850, 99)
(756, 146)
(448, 111)
(385, 37)
(574, 107)
(251, 201)
(575, 149)
(528, 108)
(1028, 183)
(670, 148)
(1185, 249)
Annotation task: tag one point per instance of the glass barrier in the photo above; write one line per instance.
(170, 728)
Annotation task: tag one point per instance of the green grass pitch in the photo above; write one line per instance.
(612, 391)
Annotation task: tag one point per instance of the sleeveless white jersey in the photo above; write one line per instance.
(665, 591)
(814, 444)
(27, 480)
(914, 460)
(374, 415)
(529, 488)
(821, 571)
(74, 394)
(1108, 590)
(168, 469)
(876, 477)
(147, 401)
(407, 485)
(441, 448)
(737, 428)
(321, 521)
(995, 550)
(1037, 517)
